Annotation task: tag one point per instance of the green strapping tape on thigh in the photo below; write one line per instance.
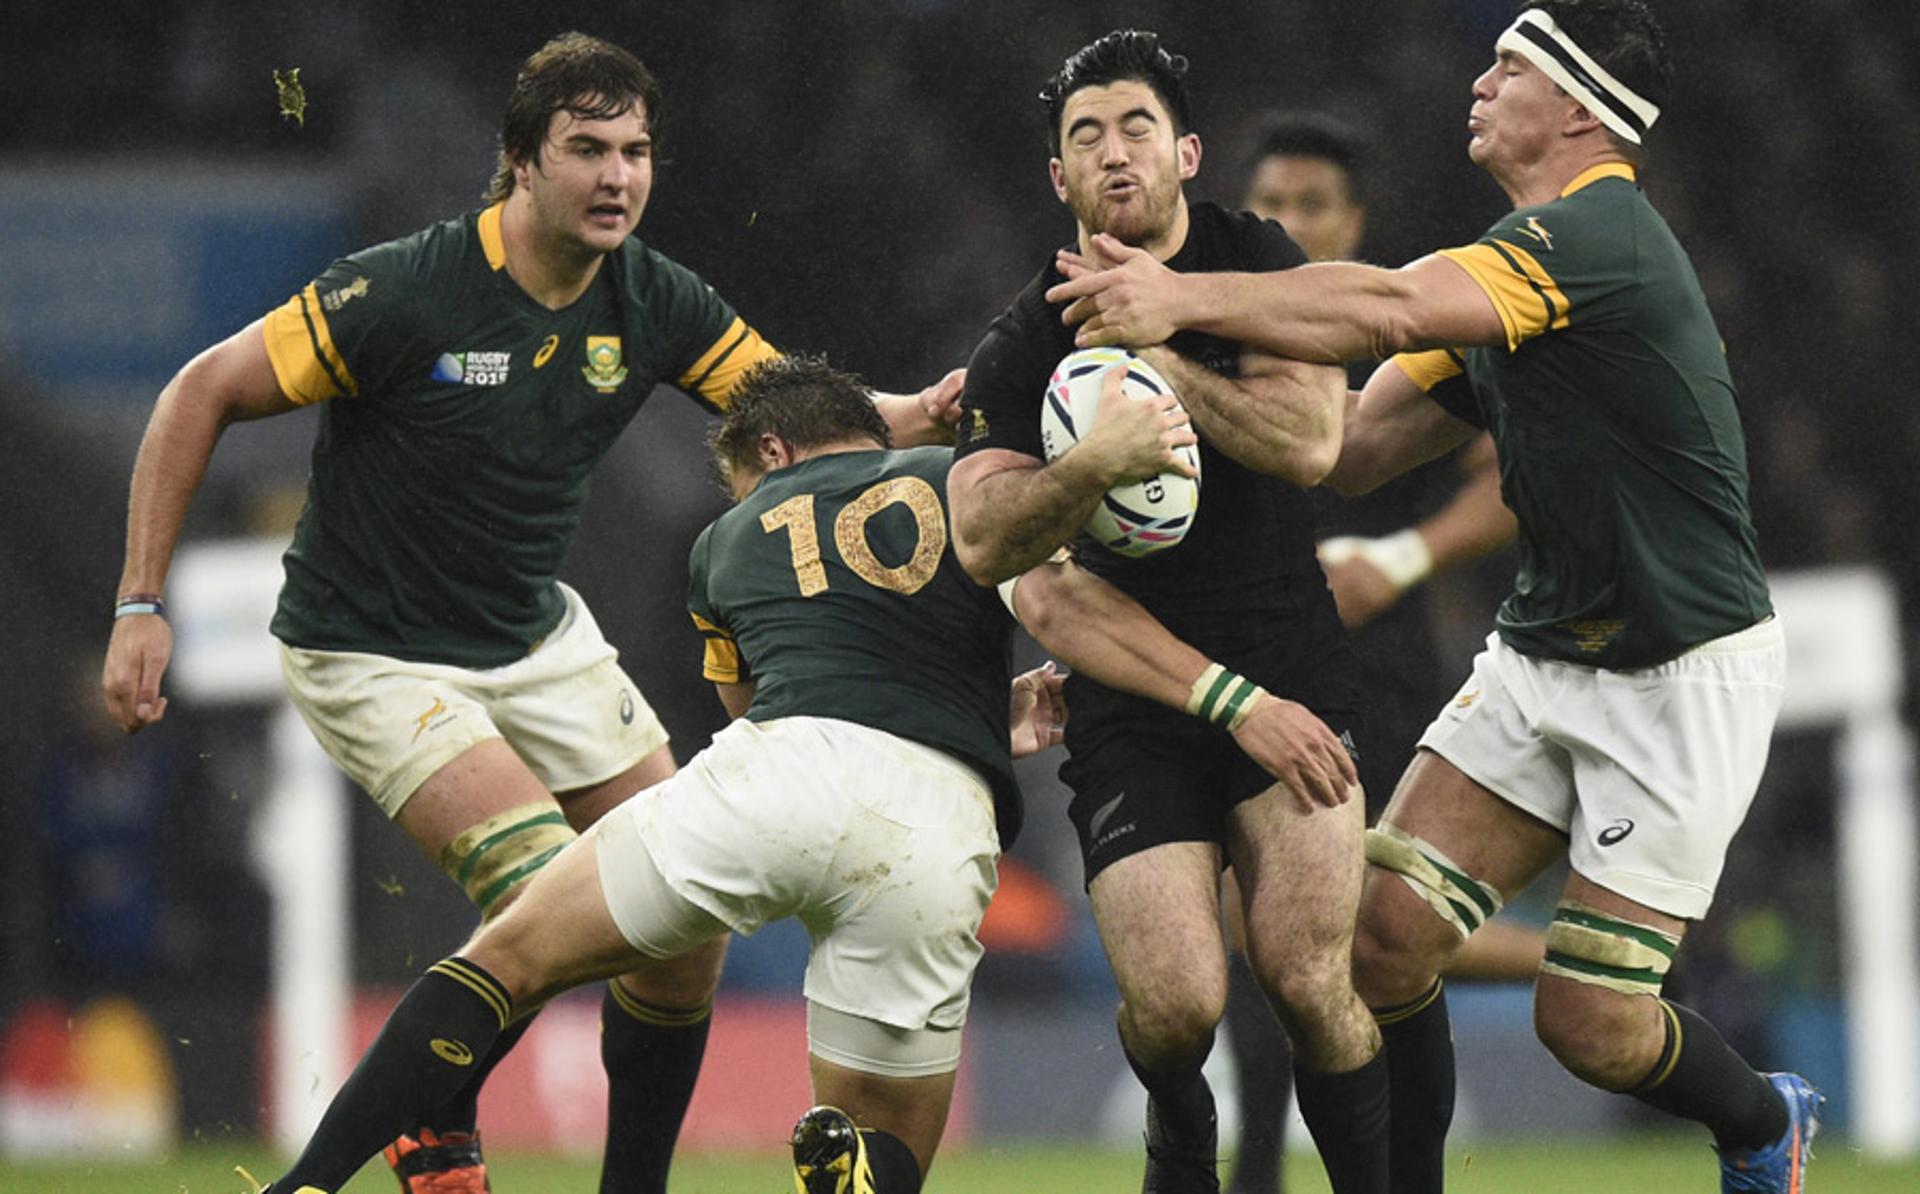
(1457, 897)
(1589, 946)
(492, 858)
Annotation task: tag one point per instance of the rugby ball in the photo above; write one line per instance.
(1131, 520)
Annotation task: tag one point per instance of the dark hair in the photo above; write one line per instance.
(1312, 135)
(591, 78)
(801, 399)
(1123, 54)
(1621, 35)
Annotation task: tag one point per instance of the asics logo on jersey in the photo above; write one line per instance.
(452, 1052)
(1616, 831)
(546, 351)
(1466, 698)
(424, 722)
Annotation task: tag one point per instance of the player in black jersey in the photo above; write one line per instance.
(866, 787)
(1377, 549)
(1158, 803)
(469, 378)
(1621, 713)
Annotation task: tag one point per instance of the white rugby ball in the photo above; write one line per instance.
(1132, 520)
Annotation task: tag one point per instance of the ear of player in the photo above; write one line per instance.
(1135, 519)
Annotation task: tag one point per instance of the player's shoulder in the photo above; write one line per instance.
(1219, 239)
(646, 267)
(1599, 215)
(1026, 333)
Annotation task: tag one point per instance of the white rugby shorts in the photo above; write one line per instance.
(567, 708)
(886, 850)
(1649, 772)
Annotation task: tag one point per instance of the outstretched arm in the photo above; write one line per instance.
(1101, 631)
(1330, 312)
(1278, 416)
(228, 383)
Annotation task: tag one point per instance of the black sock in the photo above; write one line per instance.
(1700, 1077)
(652, 1057)
(1263, 1071)
(1347, 1116)
(1418, 1040)
(462, 1112)
(422, 1058)
(1182, 1101)
(894, 1169)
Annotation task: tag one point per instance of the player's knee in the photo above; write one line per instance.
(1595, 1005)
(685, 980)
(1307, 987)
(1602, 1037)
(1172, 1023)
(1398, 944)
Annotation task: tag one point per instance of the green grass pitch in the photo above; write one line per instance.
(1642, 1164)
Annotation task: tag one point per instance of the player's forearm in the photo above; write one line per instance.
(1329, 313)
(909, 422)
(1285, 423)
(1094, 628)
(173, 456)
(1013, 520)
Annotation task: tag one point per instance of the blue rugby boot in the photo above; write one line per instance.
(1780, 1167)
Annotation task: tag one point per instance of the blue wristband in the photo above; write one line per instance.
(141, 604)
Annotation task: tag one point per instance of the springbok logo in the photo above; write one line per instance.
(603, 369)
(424, 722)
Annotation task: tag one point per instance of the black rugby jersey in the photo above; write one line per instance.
(1251, 546)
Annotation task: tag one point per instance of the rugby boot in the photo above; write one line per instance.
(438, 1163)
(1180, 1166)
(1780, 1167)
(829, 1154)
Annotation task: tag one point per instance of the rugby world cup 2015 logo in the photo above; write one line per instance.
(603, 369)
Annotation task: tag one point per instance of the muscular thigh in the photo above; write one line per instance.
(1157, 912)
(1484, 836)
(1299, 874)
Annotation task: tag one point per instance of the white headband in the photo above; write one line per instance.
(1546, 45)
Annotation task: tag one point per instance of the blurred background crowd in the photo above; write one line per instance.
(863, 179)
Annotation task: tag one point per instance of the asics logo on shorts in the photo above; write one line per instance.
(454, 1052)
(1616, 831)
(626, 708)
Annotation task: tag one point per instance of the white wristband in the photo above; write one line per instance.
(1402, 557)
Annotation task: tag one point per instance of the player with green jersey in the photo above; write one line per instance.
(469, 379)
(1621, 712)
(865, 788)
(864, 535)
(460, 422)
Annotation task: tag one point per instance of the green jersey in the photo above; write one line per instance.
(461, 421)
(1620, 446)
(833, 590)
